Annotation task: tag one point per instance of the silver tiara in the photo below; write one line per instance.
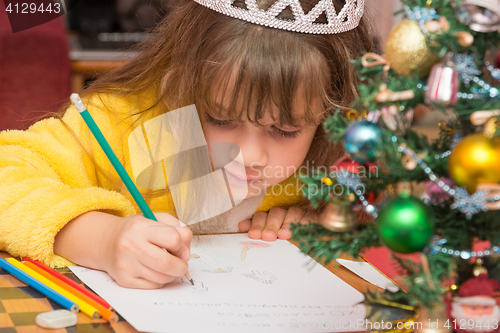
(347, 19)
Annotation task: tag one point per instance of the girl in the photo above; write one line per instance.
(264, 89)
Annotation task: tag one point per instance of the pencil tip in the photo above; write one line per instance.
(192, 282)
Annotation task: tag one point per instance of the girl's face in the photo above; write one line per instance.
(271, 152)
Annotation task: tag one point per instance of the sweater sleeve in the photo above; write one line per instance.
(47, 178)
(285, 194)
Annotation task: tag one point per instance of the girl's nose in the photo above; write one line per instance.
(252, 143)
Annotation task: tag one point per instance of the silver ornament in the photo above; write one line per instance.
(479, 15)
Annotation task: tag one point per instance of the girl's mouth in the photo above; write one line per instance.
(241, 180)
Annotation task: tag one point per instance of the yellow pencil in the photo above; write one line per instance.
(86, 308)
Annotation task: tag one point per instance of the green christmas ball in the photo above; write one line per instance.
(405, 224)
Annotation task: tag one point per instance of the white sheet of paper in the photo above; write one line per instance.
(369, 273)
(241, 285)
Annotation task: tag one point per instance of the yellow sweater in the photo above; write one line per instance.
(53, 172)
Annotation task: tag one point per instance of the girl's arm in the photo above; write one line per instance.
(53, 174)
(129, 249)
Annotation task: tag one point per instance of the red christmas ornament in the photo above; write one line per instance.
(362, 170)
(475, 305)
(347, 163)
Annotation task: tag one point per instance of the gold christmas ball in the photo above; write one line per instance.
(475, 160)
(407, 51)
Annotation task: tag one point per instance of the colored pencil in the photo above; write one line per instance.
(70, 282)
(84, 306)
(38, 286)
(134, 191)
(105, 313)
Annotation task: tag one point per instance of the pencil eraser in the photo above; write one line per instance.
(56, 319)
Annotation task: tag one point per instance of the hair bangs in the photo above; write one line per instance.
(262, 73)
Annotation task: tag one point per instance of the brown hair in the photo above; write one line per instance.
(194, 53)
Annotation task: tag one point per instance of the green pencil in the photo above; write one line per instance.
(134, 191)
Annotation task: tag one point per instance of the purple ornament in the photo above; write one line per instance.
(435, 192)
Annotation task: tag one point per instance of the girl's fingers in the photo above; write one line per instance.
(184, 231)
(293, 215)
(154, 276)
(186, 235)
(258, 223)
(168, 219)
(245, 225)
(162, 262)
(138, 283)
(275, 220)
(169, 238)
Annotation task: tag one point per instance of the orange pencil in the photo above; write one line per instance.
(70, 282)
(105, 313)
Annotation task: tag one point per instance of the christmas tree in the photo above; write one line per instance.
(442, 55)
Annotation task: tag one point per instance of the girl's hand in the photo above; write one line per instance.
(130, 249)
(135, 255)
(272, 225)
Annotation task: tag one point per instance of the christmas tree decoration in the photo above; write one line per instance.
(347, 164)
(464, 38)
(475, 160)
(481, 117)
(475, 305)
(443, 84)
(435, 192)
(492, 196)
(479, 15)
(460, 168)
(361, 140)
(327, 181)
(478, 268)
(407, 51)
(405, 224)
(409, 161)
(371, 59)
(338, 216)
(385, 95)
(437, 26)
(395, 120)
(469, 204)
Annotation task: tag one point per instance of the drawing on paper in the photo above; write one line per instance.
(244, 253)
(208, 258)
(199, 287)
(247, 245)
(265, 277)
(210, 261)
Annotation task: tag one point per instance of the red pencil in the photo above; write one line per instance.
(70, 282)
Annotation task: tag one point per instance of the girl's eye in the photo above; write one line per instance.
(286, 134)
(216, 122)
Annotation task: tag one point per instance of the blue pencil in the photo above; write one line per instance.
(38, 286)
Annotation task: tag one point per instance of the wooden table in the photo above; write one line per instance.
(20, 304)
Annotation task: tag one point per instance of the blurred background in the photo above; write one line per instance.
(41, 66)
